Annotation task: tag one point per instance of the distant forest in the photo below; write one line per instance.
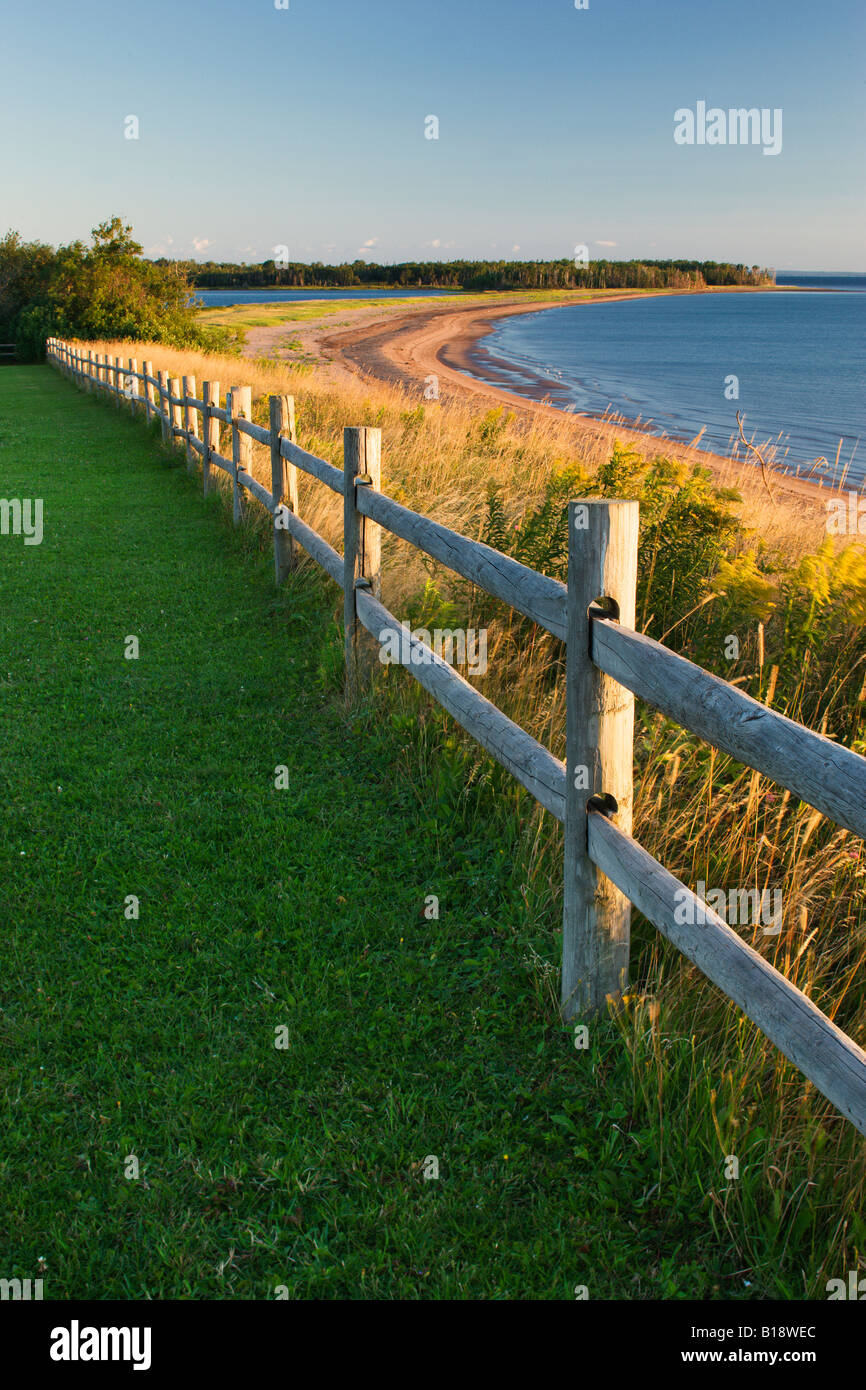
(475, 275)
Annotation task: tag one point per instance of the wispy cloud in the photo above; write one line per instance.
(604, 243)
(159, 248)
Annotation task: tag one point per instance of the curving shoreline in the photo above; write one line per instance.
(409, 350)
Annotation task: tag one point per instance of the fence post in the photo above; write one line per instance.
(147, 369)
(210, 430)
(175, 409)
(190, 420)
(602, 565)
(242, 446)
(284, 482)
(362, 544)
(130, 389)
(164, 408)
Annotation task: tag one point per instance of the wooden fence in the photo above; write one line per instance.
(608, 663)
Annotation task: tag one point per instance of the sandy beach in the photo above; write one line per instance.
(408, 349)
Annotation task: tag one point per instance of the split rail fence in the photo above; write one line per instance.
(608, 663)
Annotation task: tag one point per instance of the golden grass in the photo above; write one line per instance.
(431, 465)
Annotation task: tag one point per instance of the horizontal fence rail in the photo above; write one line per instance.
(529, 761)
(608, 663)
(825, 774)
(531, 593)
(835, 1064)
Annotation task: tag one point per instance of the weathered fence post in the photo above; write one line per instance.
(210, 430)
(284, 483)
(147, 369)
(242, 446)
(130, 389)
(362, 543)
(602, 566)
(175, 409)
(165, 419)
(190, 420)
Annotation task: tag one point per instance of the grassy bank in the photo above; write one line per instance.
(271, 315)
(408, 1037)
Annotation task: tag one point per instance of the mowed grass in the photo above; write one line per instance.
(262, 908)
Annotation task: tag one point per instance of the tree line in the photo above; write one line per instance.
(474, 275)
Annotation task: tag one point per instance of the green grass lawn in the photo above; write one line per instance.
(262, 908)
(268, 315)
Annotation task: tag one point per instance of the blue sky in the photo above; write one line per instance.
(304, 127)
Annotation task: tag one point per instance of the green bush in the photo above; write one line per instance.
(106, 290)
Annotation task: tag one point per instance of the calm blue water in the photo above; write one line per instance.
(222, 298)
(800, 360)
(821, 280)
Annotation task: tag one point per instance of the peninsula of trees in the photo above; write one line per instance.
(474, 275)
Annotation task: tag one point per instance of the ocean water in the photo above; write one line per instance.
(799, 360)
(223, 298)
